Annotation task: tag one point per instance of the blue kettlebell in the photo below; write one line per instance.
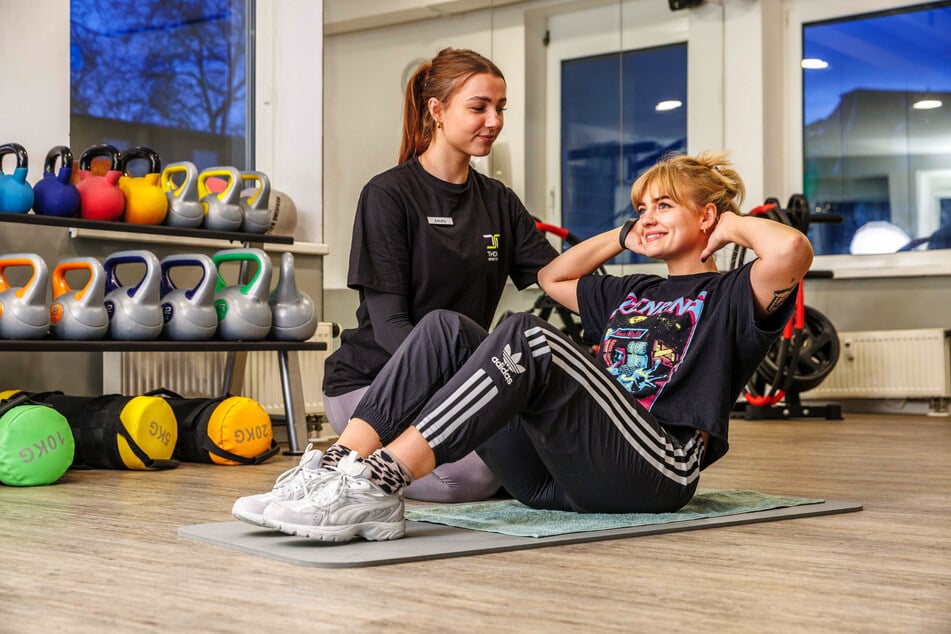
(55, 194)
(16, 195)
(24, 311)
(189, 313)
(134, 311)
(294, 313)
(243, 310)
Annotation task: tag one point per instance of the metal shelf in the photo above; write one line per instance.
(80, 223)
(291, 383)
(154, 345)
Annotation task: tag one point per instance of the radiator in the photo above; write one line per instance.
(914, 364)
(201, 374)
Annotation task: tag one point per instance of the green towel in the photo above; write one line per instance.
(514, 518)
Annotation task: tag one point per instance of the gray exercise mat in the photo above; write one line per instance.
(433, 541)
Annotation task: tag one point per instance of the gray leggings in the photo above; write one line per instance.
(466, 480)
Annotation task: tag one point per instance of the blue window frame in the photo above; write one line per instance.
(619, 114)
(174, 75)
(877, 128)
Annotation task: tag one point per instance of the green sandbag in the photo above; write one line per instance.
(36, 443)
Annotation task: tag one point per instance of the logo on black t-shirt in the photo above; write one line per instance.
(492, 250)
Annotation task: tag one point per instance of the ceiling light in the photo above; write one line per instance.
(926, 104)
(670, 104)
(814, 63)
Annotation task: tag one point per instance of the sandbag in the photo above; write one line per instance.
(119, 432)
(36, 444)
(230, 430)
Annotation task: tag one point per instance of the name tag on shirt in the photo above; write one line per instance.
(439, 220)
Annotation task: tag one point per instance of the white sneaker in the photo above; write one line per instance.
(290, 485)
(342, 506)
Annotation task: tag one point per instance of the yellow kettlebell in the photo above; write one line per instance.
(145, 200)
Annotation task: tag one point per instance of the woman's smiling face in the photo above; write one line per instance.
(668, 230)
(473, 117)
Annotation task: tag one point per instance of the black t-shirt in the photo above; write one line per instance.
(439, 244)
(685, 346)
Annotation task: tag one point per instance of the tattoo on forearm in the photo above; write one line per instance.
(779, 297)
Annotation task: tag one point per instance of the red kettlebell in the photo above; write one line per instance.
(100, 196)
(145, 200)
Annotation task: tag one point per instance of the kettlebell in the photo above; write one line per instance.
(36, 443)
(294, 316)
(145, 200)
(254, 205)
(55, 194)
(243, 310)
(189, 313)
(222, 209)
(134, 311)
(24, 312)
(100, 196)
(16, 195)
(184, 204)
(79, 314)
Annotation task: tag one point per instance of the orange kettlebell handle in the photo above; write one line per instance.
(5, 284)
(59, 283)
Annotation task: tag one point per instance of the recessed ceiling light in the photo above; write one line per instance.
(814, 63)
(670, 104)
(926, 104)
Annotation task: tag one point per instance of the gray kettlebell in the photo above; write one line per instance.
(243, 310)
(255, 206)
(184, 205)
(79, 314)
(294, 313)
(134, 311)
(24, 312)
(222, 209)
(189, 313)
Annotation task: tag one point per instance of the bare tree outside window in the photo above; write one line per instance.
(170, 74)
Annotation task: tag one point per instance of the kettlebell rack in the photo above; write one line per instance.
(287, 351)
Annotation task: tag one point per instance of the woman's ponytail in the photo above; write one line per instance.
(417, 132)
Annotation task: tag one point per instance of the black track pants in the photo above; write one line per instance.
(556, 429)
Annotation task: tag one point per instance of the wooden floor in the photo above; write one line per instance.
(98, 552)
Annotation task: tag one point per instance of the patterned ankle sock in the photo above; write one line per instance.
(334, 454)
(387, 472)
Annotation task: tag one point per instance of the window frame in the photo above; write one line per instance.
(600, 31)
(799, 12)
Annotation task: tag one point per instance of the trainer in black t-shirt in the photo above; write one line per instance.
(439, 244)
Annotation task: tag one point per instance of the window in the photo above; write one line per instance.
(174, 75)
(618, 117)
(877, 129)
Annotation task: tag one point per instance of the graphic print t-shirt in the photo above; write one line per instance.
(684, 346)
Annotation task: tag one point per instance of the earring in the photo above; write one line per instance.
(439, 124)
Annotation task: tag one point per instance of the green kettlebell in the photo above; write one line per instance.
(243, 310)
(36, 443)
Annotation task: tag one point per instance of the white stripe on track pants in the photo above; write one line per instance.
(557, 429)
